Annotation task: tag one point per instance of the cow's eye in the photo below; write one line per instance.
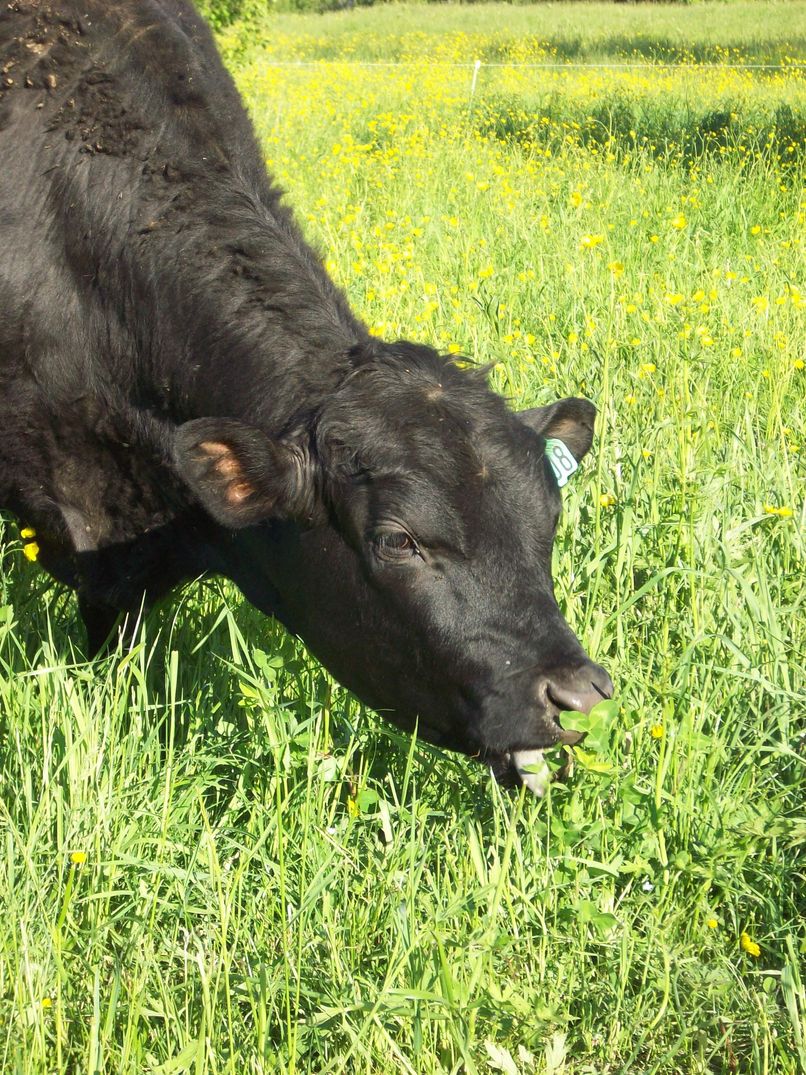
(394, 545)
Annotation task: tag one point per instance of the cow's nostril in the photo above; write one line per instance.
(556, 698)
(577, 688)
(542, 693)
(602, 682)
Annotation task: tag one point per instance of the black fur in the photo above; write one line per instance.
(183, 389)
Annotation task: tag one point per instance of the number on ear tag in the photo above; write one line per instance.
(562, 462)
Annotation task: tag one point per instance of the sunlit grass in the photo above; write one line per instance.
(741, 32)
(214, 860)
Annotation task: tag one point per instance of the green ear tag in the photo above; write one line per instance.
(562, 462)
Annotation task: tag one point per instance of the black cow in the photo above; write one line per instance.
(184, 390)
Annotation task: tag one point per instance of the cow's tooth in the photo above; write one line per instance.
(532, 770)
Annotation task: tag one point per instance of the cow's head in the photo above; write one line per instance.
(407, 538)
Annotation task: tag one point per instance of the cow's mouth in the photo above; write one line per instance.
(551, 732)
(531, 770)
(567, 736)
(528, 766)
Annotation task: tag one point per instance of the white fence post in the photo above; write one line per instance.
(476, 67)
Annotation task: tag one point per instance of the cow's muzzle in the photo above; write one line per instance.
(578, 688)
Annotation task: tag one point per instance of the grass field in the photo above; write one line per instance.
(770, 31)
(213, 860)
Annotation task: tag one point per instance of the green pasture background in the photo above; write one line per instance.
(222, 13)
(213, 860)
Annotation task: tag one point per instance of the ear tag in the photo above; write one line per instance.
(562, 462)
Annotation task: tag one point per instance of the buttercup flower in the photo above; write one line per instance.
(749, 945)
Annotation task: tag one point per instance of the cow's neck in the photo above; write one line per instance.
(256, 328)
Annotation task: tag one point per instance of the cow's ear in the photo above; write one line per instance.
(241, 476)
(568, 420)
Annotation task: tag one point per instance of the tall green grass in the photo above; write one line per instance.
(212, 859)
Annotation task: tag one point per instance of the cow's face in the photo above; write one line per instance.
(409, 543)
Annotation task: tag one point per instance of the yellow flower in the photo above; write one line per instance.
(486, 272)
(607, 500)
(616, 267)
(648, 367)
(31, 551)
(27, 532)
(783, 512)
(711, 923)
(756, 229)
(47, 1002)
(78, 858)
(799, 363)
(645, 452)
(749, 945)
(678, 222)
(454, 348)
(656, 731)
(588, 242)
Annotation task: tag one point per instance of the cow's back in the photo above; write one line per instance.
(112, 77)
(106, 111)
(133, 196)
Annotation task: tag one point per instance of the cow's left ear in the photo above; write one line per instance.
(241, 476)
(568, 420)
